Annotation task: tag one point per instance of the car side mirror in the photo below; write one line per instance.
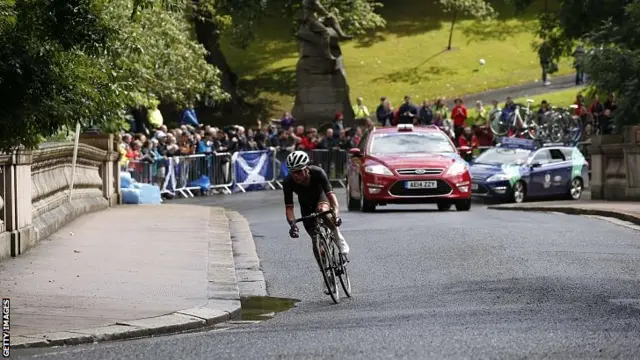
(535, 165)
(355, 152)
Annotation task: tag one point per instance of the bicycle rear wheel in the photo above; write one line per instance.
(327, 266)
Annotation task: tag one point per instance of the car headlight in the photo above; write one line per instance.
(378, 169)
(457, 168)
(498, 177)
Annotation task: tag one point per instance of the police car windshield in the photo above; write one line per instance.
(498, 156)
(411, 142)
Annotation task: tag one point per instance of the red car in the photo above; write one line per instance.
(407, 165)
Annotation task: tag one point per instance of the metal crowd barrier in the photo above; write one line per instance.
(183, 174)
(332, 161)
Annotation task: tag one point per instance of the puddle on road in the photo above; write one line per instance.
(264, 307)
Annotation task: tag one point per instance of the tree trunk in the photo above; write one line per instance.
(453, 23)
(209, 36)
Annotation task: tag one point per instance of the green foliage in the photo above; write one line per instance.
(154, 56)
(68, 61)
(613, 62)
(48, 68)
(357, 17)
(479, 9)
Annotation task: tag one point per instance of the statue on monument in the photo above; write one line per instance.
(322, 89)
(318, 20)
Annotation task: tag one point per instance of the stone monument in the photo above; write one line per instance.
(322, 89)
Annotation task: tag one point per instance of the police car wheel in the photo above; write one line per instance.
(575, 190)
(519, 192)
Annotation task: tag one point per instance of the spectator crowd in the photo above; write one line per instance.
(466, 126)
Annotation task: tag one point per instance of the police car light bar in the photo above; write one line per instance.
(516, 143)
(405, 127)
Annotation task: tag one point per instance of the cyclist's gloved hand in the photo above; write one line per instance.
(294, 232)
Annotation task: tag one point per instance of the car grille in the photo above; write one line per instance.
(479, 178)
(397, 189)
(482, 189)
(419, 171)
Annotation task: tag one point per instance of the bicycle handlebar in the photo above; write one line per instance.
(313, 216)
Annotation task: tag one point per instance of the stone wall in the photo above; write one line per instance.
(615, 166)
(35, 189)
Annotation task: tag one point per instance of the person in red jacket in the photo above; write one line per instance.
(459, 116)
(468, 140)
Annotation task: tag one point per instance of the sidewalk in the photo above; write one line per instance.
(627, 211)
(124, 272)
(519, 91)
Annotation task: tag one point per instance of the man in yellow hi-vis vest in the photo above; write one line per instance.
(360, 111)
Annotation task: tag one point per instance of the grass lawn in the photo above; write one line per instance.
(407, 57)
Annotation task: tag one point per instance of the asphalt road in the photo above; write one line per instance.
(478, 284)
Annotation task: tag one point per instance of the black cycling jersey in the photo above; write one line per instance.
(311, 194)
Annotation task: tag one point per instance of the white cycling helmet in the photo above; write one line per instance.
(297, 160)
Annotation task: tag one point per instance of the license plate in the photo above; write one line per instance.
(421, 184)
(474, 186)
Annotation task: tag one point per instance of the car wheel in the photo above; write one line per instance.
(575, 189)
(365, 205)
(444, 206)
(352, 204)
(463, 205)
(519, 192)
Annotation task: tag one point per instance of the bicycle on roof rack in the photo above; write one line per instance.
(561, 125)
(325, 248)
(518, 123)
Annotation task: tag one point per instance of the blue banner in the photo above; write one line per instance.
(252, 169)
(284, 170)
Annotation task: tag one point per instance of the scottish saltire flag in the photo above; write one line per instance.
(252, 169)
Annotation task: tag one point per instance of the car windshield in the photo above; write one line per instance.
(415, 142)
(498, 156)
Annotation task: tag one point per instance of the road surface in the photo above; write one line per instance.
(478, 284)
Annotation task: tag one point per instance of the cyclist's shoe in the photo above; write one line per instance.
(342, 243)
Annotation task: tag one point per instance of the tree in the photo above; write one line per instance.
(87, 61)
(613, 62)
(609, 29)
(479, 9)
(155, 57)
(49, 72)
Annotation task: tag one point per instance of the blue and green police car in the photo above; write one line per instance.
(519, 169)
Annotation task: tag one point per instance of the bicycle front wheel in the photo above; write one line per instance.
(327, 267)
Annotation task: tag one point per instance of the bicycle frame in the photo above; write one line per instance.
(326, 251)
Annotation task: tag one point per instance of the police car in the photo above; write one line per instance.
(519, 169)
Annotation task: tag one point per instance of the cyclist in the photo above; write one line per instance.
(315, 194)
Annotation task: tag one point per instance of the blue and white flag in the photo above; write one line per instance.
(252, 169)
(170, 180)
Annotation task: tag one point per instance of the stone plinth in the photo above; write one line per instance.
(615, 166)
(322, 89)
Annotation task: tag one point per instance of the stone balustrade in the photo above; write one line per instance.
(35, 189)
(615, 166)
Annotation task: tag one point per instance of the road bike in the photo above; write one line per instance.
(327, 253)
(518, 123)
(561, 125)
